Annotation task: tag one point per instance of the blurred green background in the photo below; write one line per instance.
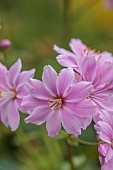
(33, 28)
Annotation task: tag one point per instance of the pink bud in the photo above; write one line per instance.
(4, 44)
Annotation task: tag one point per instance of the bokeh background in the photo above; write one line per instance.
(33, 28)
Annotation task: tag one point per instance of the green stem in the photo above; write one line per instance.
(73, 140)
(87, 142)
(70, 156)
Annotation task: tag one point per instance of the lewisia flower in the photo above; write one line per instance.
(91, 67)
(106, 156)
(102, 80)
(55, 101)
(12, 90)
(104, 128)
(79, 51)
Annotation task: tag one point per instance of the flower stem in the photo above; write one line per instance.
(73, 140)
(86, 142)
(70, 156)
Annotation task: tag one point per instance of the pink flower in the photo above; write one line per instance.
(104, 128)
(12, 90)
(102, 80)
(79, 51)
(55, 101)
(106, 156)
(91, 67)
(4, 44)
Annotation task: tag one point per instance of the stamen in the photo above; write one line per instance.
(94, 50)
(77, 78)
(99, 58)
(86, 73)
(98, 52)
(85, 49)
(100, 75)
(54, 103)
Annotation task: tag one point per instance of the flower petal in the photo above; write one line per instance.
(84, 108)
(64, 81)
(49, 78)
(30, 103)
(39, 115)
(14, 72)
(77, 47)
(103, 75)
(88, 68)
(38, 90)
(3, 76)
(4, 113)
(105, 132)
(53, 124)
(104, 101)
(70, 123)
(85, 121)
(65, 57)
(78, 92)
(13, 117)
(24, 77)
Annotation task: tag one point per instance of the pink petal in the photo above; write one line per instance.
(104, 75)
(21, 92)
(104, 101)
(14, 72)
(20, 107)
(88, 68)
(107, 117)
(39, 115)
(64, 81)
(31, 103)
(49, 78)
(85, 121)
(24, 77)
(78, 92)
(105, 132)
(13, 117)
(53, 124)
(77, 47)
(70, 123)
(38, 90)
(3, 76)
(4, 113)
(65, 57)
(84, 108)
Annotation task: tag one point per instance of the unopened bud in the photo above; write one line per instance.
(4, 44)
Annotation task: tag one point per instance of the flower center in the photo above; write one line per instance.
(55, 103)
(7, 94)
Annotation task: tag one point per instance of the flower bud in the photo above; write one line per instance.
(4, 44)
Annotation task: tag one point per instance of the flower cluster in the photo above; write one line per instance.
(104, 128)
(80, 93)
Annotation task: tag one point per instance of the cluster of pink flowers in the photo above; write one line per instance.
(80, 93)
